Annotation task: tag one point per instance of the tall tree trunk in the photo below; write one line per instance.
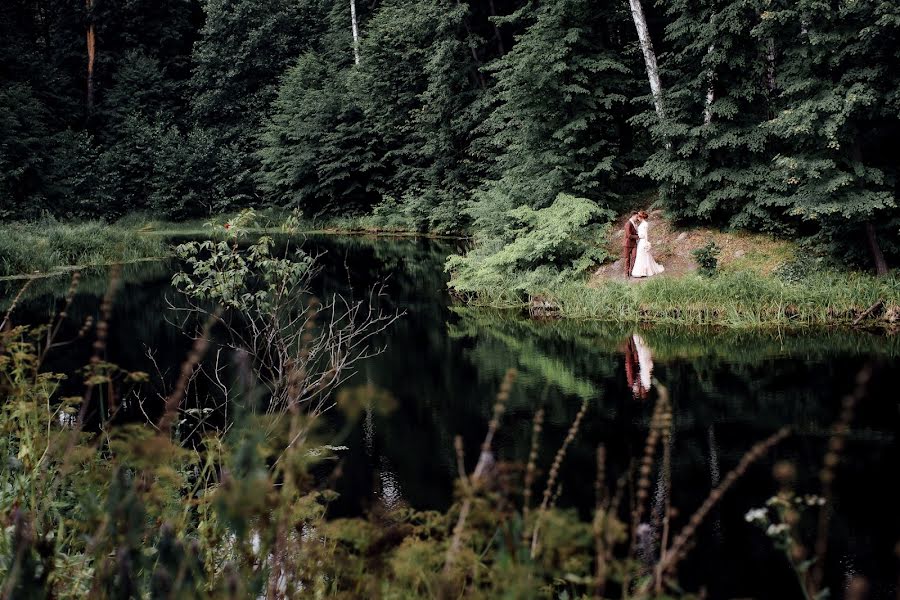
(497, 35)
(770, 64)
(877, 255)
(478, 74)
(91, 52)
(355, 32)
(710, 90)
(640, 23)
(871, 238)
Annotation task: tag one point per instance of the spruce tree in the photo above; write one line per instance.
(418, 84)
(316, 151)
(836, 110)
(555, 124)
(244, 48)
(711, 151)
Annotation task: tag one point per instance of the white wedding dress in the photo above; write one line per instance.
(645, 362)
(644, 265)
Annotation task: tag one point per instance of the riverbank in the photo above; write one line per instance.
(737, 299)
(28, 248)
(758, 281)
(50, 247)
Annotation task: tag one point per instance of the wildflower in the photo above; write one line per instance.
(776, 530)
(227, 226)
(756, 514)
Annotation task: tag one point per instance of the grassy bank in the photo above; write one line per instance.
(733, 299)
(282, 221)
(43, 247)
(757, 281)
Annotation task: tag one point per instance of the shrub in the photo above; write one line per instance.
(545, 246)
(707, 259)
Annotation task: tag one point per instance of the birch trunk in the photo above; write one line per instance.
(640, 23)
(710, 91)
(355, 32)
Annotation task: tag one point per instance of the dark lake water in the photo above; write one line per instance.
(442, 366)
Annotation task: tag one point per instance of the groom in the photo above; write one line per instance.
(629, 244)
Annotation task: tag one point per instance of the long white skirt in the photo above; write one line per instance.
(644, 265)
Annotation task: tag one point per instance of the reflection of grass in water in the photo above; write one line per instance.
(728, 374)
(94, 281)
(536, 365)
(669, 342)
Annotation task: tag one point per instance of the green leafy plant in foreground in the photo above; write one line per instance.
(129, 511)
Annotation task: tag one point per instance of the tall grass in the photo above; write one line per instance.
(733, 299)
(41, 247)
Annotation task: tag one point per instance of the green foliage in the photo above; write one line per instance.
(712, 158)
(796, 138)
(559, 101)
(317, 153)
(541, 248)
(242, 279)
(707, 259)
(241, 52)
(835, 116)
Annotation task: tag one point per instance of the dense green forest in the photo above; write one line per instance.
(770, 115)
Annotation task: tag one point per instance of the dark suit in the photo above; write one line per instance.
(629, 246)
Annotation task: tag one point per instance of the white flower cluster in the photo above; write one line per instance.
(756, 515)
(810, 500)
(775, 530)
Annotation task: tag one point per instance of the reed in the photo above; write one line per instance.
(485, 461)
(531, 467)
(830, 462)
(547, 500)
(679, 546)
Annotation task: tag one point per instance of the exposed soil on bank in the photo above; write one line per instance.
(673, 248)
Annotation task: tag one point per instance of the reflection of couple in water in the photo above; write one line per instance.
(638, 358)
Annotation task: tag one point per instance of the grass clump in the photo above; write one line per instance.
(41, 247)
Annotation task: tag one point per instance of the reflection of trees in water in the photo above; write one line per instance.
(729, 390)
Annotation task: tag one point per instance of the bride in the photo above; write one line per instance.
(644, 265)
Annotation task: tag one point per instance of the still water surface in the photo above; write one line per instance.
(442, 366)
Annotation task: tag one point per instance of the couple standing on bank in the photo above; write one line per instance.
(636, 249)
